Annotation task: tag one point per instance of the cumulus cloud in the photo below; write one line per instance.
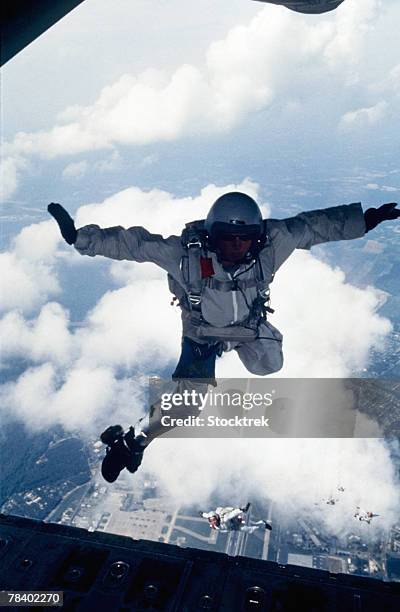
(278, 54)
(390, 83)
(364, 117)
(157, 210)
(37, 242)
(295, 474)
(75, 170)
(28, 275)
(328, 317)
(10, 170)
(125, 330)
(329, 325)
(44, 338)
(41, 398)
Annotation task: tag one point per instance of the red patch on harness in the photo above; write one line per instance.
(206, 266)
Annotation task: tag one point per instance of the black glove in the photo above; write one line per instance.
(374, 216)
(65, 222)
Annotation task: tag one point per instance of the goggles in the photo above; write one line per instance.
(246, 232)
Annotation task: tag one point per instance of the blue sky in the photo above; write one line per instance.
(142, 113)
(162, 94)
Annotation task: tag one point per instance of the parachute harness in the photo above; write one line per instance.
(197, 271)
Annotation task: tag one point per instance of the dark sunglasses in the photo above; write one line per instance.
(233, 237)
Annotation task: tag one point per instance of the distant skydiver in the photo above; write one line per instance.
(331, 501)
(307, 6)
(219, 270)
(364, 515)
(232, 519)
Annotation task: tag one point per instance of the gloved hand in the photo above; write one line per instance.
(65, 222)
(374, 216)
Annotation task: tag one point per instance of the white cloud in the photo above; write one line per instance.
(24, 284)
(10, 169)
(125, 329)
(393, 81)
(149, 160)
(376, 187)
(389, 84)
(27, 275)
(277, 59)
(37, 242)
(353, 23)
(364, 117)
(75, 170)
(45, 338)
(331, 325)
(40, 401)
(109, 164)
(276, 53)
(157, 210)
(295, 474)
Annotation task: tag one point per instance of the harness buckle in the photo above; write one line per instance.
(194, 243)
(265, 296)
(265, 293)
(194, 299)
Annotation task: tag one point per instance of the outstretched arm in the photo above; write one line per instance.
(314, 227)
(134, 243)
(337, 223)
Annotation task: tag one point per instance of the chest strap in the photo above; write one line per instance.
(234, 285)
(197, 272)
